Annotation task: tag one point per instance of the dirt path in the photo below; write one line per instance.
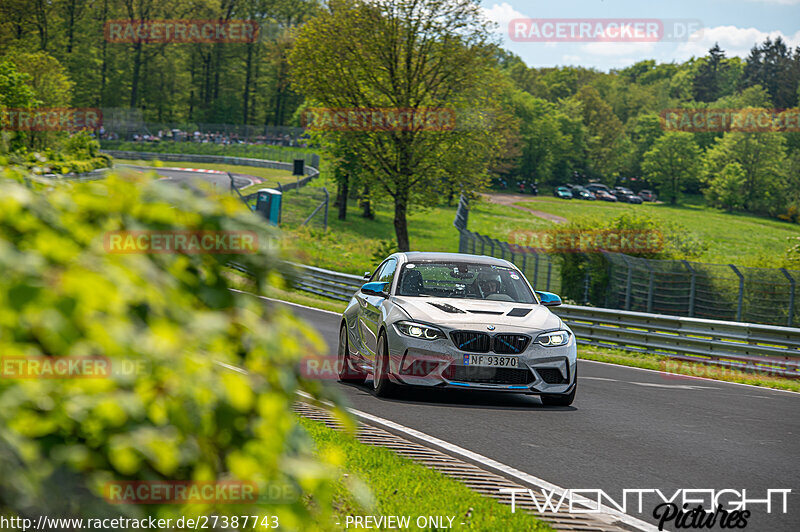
(510, 199)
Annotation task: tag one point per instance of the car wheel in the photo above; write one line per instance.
(346, 373)
(383, 386)
(559, 399)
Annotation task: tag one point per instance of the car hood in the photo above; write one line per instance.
(470, 313)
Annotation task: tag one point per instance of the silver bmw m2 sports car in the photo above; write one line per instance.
(456, 321)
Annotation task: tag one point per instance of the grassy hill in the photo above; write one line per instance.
(742, 239)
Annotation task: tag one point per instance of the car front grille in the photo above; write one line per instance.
(510, 344)
(551, 375)
(478, 342)
(472, 342)
(483, 375)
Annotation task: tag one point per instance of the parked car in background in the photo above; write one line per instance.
(647, 195)
(562, 192)
(626, 195)
(603, 195)
(580, 192)
(594, 188)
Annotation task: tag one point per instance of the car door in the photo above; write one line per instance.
(370, 309)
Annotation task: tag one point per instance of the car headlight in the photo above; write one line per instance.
(553, 339)
(419, 330)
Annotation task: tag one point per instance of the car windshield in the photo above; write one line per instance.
(464, 281)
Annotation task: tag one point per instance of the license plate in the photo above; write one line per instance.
(491, 361)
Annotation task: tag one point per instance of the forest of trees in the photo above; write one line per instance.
(569, 124)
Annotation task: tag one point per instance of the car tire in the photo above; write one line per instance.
(346, 373)
(383, 386)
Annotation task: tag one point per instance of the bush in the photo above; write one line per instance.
(182, 415)
(678, 243)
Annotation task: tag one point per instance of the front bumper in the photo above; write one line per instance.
(440, 364)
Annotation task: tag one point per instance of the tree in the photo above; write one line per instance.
(415, 56)
(606, 144)
(772, 66)
(727, 189)
(761, 157)
(707, 85)
(673, 159)
(646, 130)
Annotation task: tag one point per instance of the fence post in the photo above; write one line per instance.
(692, 287)
(325, 214)
(628, 283)
(650, 286)
(502, 249)
(791, 297)
(549, 271)
(536, 268)
(741, 291)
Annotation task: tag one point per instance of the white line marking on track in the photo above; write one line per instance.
(285, 302)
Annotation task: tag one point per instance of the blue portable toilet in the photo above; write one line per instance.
(268, 203)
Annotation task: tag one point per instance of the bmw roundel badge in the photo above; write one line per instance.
(490, 327)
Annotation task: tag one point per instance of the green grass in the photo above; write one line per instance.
(348, 245)
(743, 239)
(401, 487)
(270, 175)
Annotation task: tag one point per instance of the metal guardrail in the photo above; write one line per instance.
(327, 283)
(311, 171)
(746, 346)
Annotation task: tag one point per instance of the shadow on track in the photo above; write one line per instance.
(422, 396)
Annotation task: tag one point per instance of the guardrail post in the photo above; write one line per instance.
(791, 297)
(741, 291)
(692, 286)
(628, 283)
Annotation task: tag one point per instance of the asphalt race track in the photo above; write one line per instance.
(188, 177)
(628, 429)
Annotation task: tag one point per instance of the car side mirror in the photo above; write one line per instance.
(367, 275)
(549, 299)
(376, 289)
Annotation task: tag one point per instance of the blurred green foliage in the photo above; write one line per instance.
(182, 415)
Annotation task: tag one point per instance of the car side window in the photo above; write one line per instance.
(386, 274)
(375, 275)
